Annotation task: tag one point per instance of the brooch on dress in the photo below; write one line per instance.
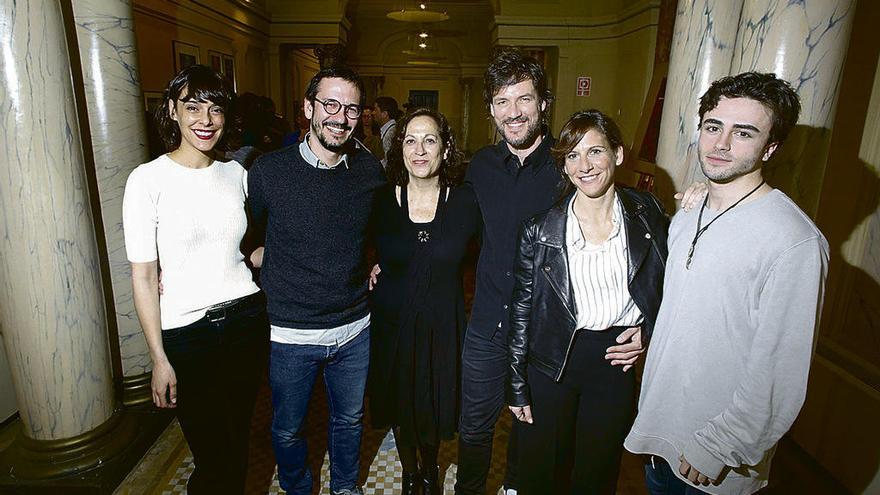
(424, 236)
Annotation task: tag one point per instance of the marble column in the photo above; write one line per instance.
(51, 299)
(702, 49)
(804, 43)
(466, 84)
(118, 133)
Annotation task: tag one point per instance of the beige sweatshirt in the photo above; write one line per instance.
(726, 371)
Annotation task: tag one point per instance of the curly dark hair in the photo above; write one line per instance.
(576, 127)
(451, 171)
(338, 72)
(510, 66)
(775, 94)
(202, 84)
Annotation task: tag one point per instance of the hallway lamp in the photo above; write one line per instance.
(417, 11)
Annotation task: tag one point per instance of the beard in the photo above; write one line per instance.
(533, 128)
(331, 143)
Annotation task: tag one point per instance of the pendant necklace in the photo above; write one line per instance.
(701, 230)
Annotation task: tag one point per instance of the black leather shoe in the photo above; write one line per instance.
(430, 482)
(411, 484)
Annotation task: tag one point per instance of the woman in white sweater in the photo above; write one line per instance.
(207, 331)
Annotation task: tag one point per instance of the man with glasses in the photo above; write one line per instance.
(315, 202)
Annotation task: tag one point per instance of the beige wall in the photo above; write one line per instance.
(615, 50)
(225, 26)
(303, 65)
(561, 8)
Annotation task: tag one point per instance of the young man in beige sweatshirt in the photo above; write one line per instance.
(726, 372)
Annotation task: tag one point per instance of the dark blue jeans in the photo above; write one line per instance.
(219, 366)
(660, 480)
(292, 373)
(484, 364)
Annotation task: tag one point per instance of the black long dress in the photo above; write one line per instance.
(418, 316)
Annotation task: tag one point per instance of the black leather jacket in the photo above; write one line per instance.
(542, 308)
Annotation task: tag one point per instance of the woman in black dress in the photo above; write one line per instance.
(424, 220)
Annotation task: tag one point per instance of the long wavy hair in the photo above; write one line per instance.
(451, 170)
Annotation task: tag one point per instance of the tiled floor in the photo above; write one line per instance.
(793, 472)
(380, 471)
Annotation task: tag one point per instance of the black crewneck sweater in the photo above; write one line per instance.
(316, 220)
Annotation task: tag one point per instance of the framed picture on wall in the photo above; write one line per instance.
(215, 61)
(152, 99)
(185, 55)
(229, 70)
(224, 64)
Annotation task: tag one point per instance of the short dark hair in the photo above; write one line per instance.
(511, 66)
(576, 127)
(451, 171)
(337, 72)
(389, 105)
(774, 93)
(202, 84)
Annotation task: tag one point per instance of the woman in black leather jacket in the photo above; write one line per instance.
(586, 270)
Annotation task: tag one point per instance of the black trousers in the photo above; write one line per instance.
(484, 366)
(219, 365)
(576, 440)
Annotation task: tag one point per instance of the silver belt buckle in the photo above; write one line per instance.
(219, 314)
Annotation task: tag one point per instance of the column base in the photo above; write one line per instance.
(92, 463)
(136, 390)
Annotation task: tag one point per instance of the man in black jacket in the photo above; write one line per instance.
(513, 180)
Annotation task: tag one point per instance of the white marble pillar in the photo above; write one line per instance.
(804, 43)
(107, 51)
(51, 302)
(702, 50)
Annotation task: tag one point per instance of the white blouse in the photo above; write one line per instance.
(599, 275)
(192, 221)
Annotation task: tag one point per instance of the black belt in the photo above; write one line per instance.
(219, 312)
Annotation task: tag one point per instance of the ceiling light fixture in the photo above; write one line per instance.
(422, 14)
(423, 34)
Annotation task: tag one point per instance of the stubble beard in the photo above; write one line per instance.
(334, 147)
(728, 174)
(532, 130)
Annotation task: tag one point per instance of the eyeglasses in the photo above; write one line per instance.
(332, 107)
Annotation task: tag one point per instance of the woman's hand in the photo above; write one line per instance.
(693, 195)
(627, 353)
(374, 276)
(257, 257)
(523, 413)
(164, 382)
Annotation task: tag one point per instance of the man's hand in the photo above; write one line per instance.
(627, 353)
(692, 474)
(693, 195)
(523, 413)
(257, 257)
(374, 276)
